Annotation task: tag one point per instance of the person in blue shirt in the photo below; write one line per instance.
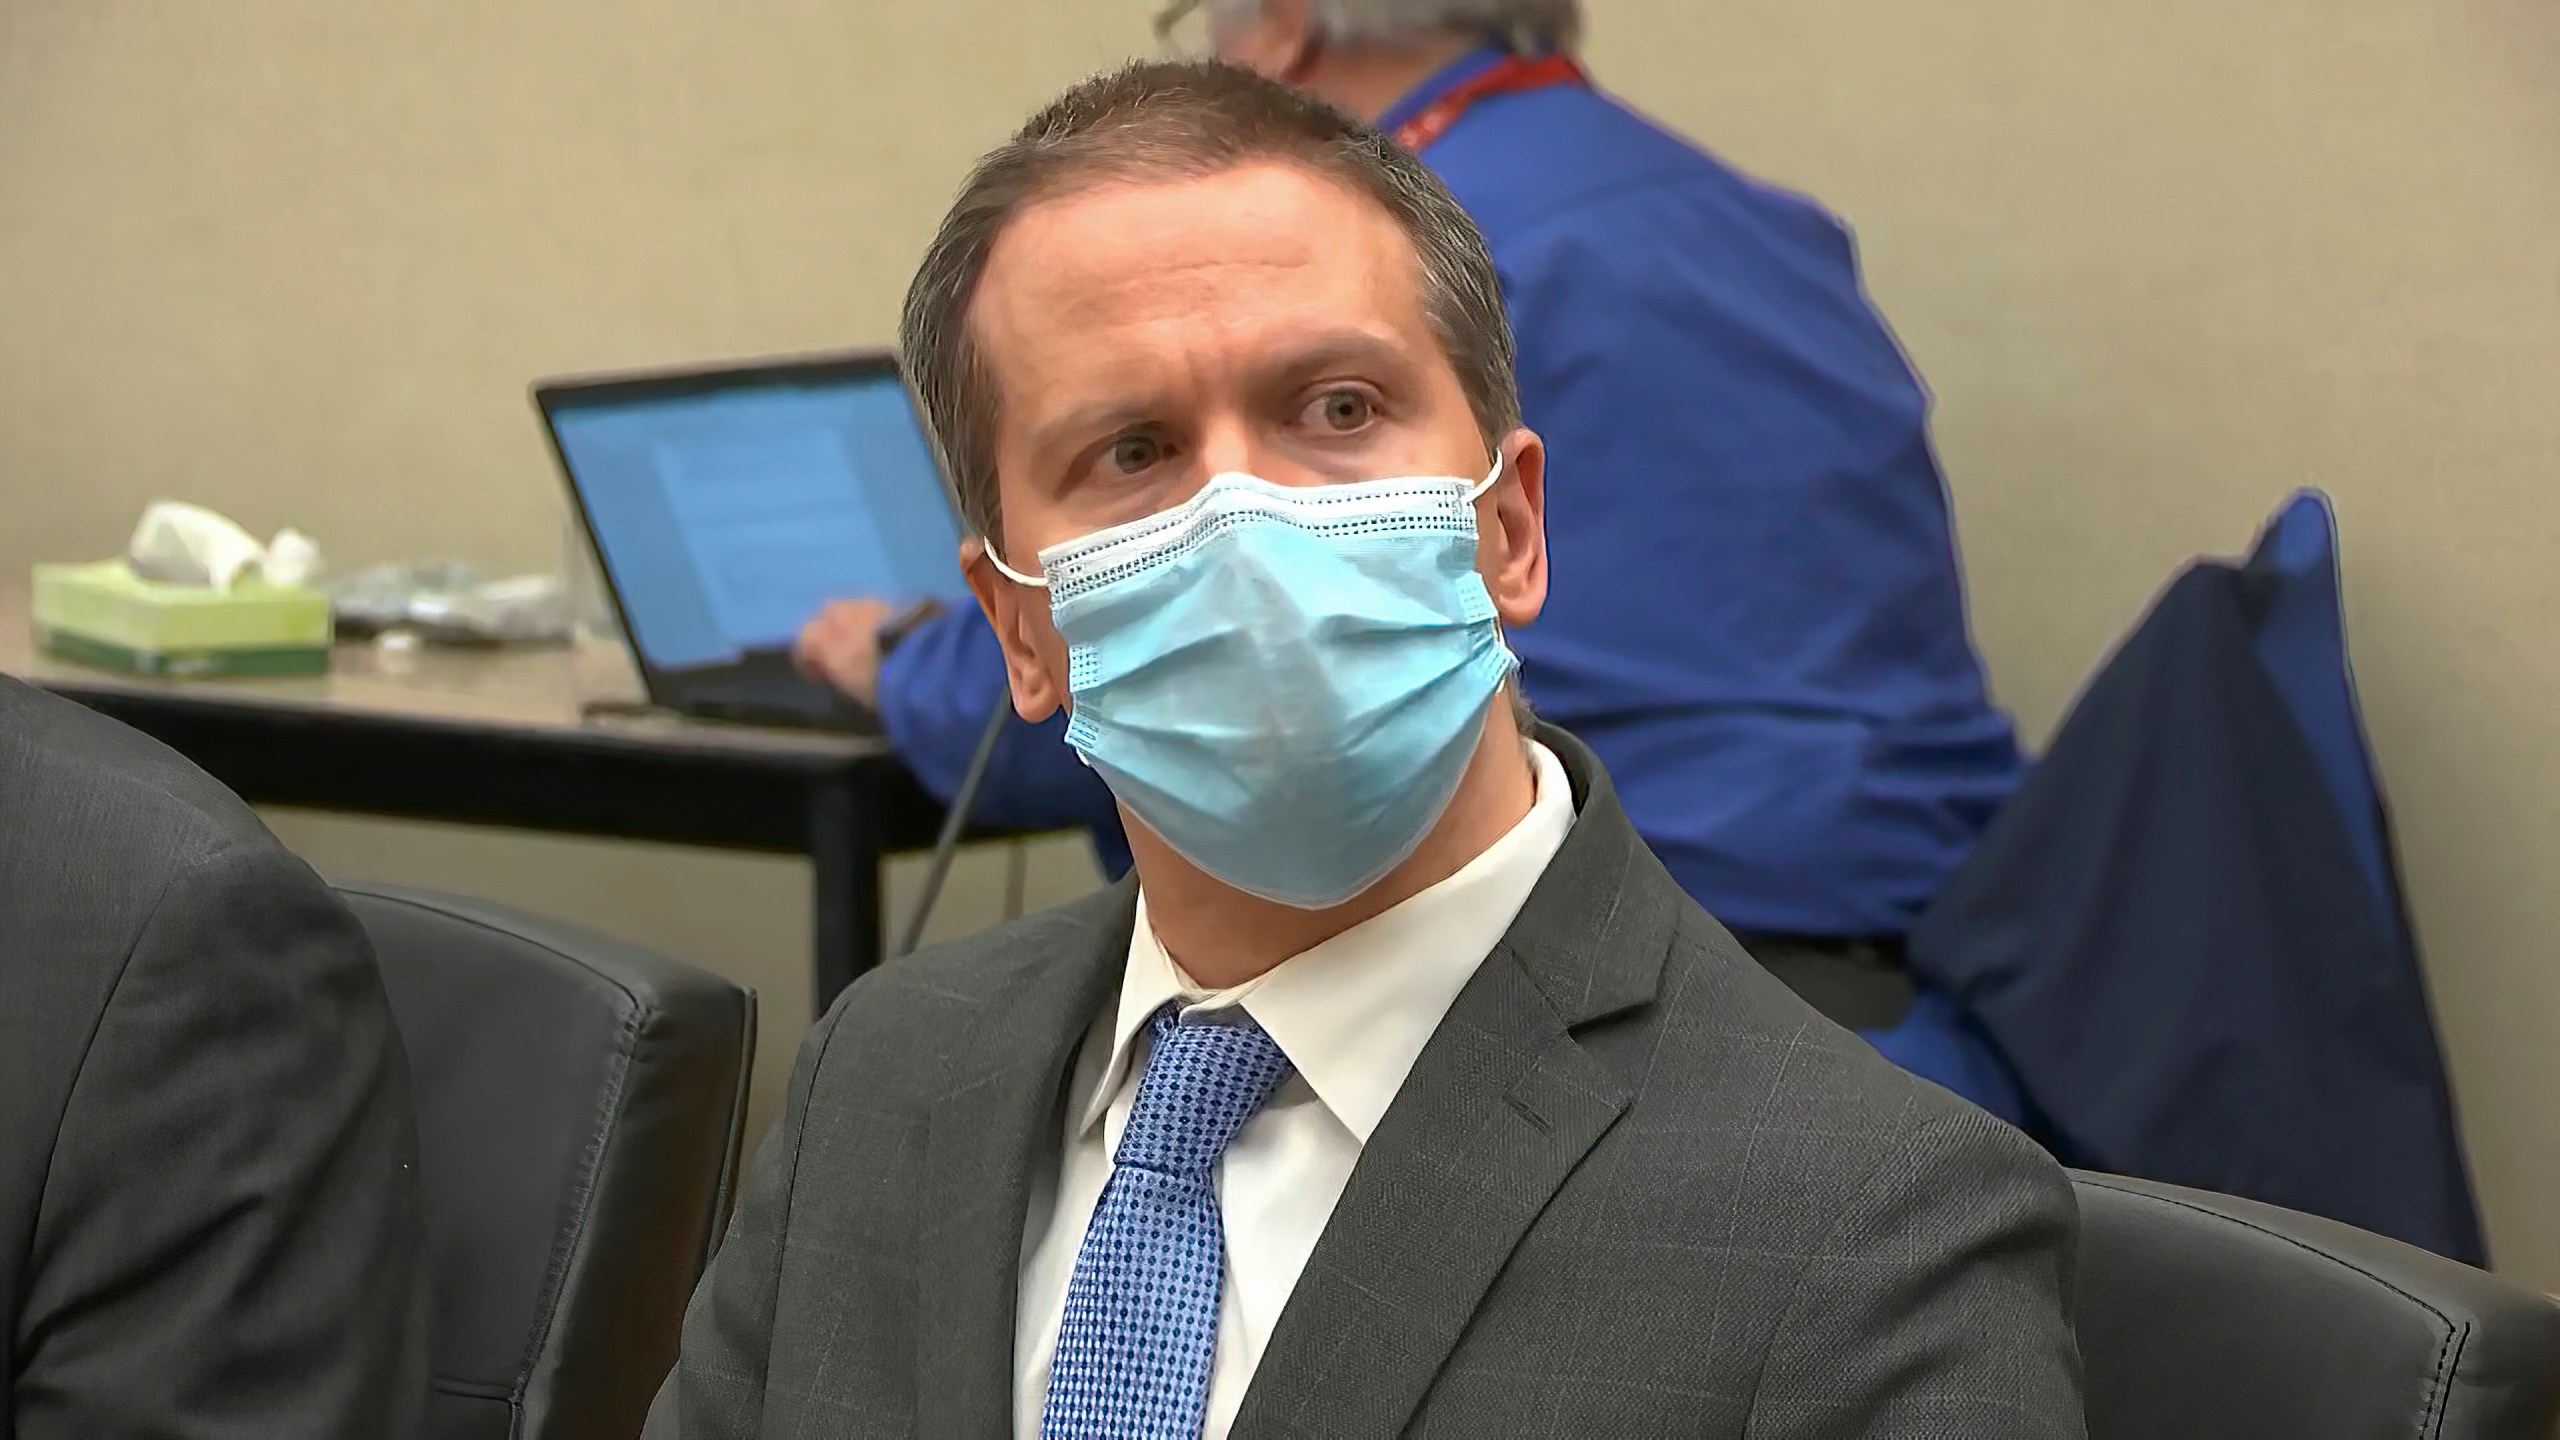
(1758, 619)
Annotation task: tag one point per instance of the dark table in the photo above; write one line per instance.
(491, 737)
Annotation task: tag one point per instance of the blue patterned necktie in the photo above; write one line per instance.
(1141, 1324)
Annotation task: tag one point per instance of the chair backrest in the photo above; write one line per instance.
(2205, 1317)
(580, 1107)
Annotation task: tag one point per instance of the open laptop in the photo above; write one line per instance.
(728, 503)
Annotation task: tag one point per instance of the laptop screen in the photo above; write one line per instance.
(728, 510)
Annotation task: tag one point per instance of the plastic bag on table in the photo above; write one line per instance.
(449, 602)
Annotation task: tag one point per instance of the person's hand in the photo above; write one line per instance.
(842, 646)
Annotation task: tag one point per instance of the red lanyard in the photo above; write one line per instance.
(1507, 76)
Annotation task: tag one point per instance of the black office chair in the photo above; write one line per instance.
(2204, 1317)
(580, 1106)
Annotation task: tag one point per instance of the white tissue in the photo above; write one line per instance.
(293, 558)
(182, 544)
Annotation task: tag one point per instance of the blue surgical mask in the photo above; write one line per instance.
(1286, 683)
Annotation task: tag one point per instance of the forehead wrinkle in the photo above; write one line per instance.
(1157, 278)
(1123, 286)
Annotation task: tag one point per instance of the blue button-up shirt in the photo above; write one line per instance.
(1756, 617)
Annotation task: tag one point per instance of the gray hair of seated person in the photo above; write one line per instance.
(1160, 121)
(1528, 26)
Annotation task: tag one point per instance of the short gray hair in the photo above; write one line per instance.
(1528, 26)
(1159, 120)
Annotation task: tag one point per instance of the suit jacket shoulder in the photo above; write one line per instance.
(101, 829)
(866, 1283)
(207, 1187)
(65, 767)
(902, 1031)
(1826, 1107)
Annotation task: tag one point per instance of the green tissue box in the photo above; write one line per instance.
(103, 614)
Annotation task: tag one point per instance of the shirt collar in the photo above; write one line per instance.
(1353, 1013)
(1447, 78)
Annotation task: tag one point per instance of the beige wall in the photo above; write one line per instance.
(298, 258)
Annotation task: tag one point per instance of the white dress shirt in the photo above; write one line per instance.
(1352, 1015)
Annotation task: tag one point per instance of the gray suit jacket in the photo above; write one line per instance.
(1633, 1187)
(208, 1207)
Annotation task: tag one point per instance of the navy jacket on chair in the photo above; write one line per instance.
(2185, 934)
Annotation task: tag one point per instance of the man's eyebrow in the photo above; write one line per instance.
(1100, 417)
(1294, 361)
(1331, 349)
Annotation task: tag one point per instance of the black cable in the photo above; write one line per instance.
(954, 820)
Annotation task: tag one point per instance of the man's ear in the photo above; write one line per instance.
(1278, 40)
(1013, 610)
(1511, 531)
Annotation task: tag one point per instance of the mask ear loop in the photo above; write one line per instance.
(996, 558)
(1472, 496)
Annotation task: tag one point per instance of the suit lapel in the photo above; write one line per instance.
(1501, 1106)
(994, 1128)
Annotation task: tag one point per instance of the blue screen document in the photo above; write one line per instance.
(727, 517)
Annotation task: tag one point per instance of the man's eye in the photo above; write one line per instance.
(1132, 454)
(1343, 411)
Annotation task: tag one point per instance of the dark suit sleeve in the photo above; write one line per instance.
(1940, 1304)
(229, 1242)
(717, 1388)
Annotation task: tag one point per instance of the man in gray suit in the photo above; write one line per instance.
(208, 1208)
(1402, 1092)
